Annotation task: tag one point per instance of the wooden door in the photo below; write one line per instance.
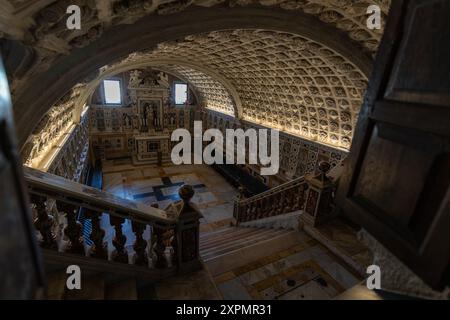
(396, 181)
(20, 266)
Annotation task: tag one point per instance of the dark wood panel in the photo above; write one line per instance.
(396, 182)
(421, 72)
(419, 116)
(396, 155)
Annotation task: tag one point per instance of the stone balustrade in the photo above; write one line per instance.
(174, 235)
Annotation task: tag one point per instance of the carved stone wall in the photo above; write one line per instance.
(298, 156)
(134, 128)
(72, 161)
(58, 145)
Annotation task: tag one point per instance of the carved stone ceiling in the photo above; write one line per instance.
(41, 24)
(277, 79)
(281, 80)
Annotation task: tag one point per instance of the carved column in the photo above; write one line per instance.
(74, 229)
(120, 254)
(319, 206)
(44, 223)
(140, 244)
(99, 249)
(187, 232)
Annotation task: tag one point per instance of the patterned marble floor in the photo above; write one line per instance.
(152, 184)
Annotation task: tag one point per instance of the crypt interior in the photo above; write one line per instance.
(94, 110)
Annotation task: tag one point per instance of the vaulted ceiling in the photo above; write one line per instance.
(299, 66)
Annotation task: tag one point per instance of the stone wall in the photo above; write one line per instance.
(59, 144)
(72, 161)
(298, 156)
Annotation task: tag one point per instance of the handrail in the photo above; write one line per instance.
(281, 187)
(53, 196)
(42, 183)
(285, 198)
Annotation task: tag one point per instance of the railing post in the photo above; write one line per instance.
(44, 223)
(99, 248)
(319, 206)
(120, 254)
(187, 233)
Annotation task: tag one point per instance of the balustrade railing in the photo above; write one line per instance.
(52, 195)
(313, 194)
(282, 199)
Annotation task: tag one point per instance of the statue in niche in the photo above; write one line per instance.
(156, 120)
(151, 114)
(144, 118)
(172, 119)
(127, 120)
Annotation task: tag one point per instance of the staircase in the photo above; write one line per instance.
(228, 240)
(111, 268)
(114, 269)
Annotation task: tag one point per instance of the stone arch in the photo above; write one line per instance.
(39, 92)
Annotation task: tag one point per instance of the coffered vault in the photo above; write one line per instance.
(299, 66)
(276, 79)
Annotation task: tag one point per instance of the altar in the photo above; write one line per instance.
(152, 149)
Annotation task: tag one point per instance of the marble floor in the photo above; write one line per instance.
(151, 184)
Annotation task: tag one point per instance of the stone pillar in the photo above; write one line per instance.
(319, 207)
(187, 233)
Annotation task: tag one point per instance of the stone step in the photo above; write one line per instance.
(236, 235)
(212, 234)
(234, 244)
(245, 238)
(223, 263)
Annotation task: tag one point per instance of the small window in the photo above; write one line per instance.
(181, 93)
(112, 92)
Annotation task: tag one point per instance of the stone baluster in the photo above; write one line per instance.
(140, 244)
(119, 240)
(44, 223)
(73, 230)
(99, 249)
(160, 247)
